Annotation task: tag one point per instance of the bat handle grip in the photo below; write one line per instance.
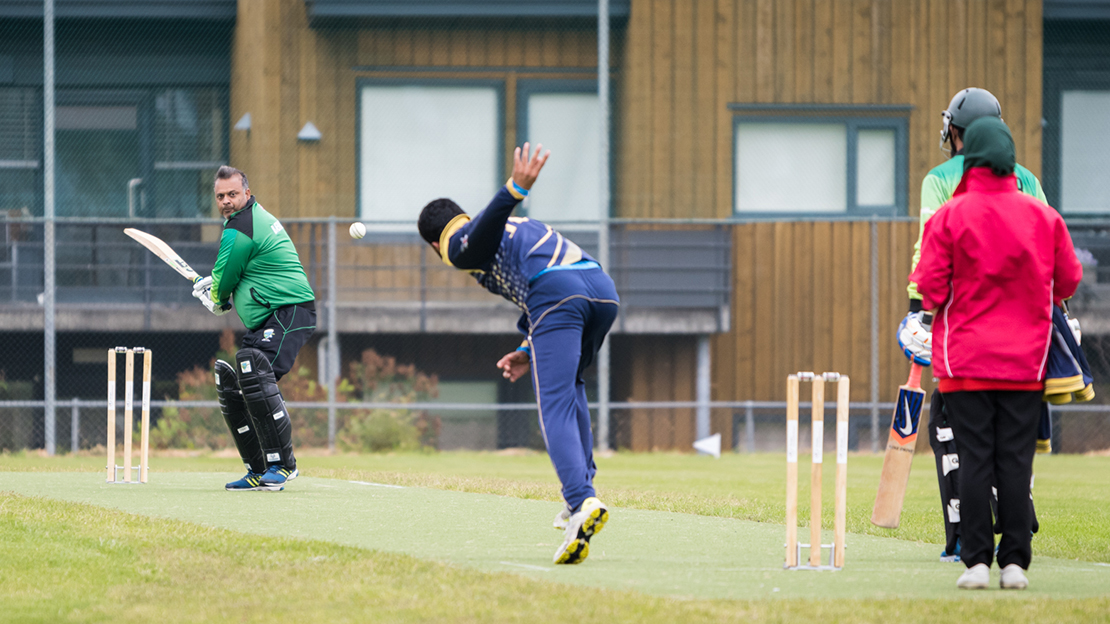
(915, 375)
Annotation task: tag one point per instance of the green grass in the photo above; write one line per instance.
(68, 561)
(1072, 501)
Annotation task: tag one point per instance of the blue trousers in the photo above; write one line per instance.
(569, 313)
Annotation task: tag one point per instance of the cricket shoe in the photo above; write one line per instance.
(276, 477)
(561, 519)
(1013, 577)
(977, 576)
(252, 482)
(581, 526)
(953, 557)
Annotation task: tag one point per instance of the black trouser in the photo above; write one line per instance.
(943, 442)
(283, 335)
(997, 433)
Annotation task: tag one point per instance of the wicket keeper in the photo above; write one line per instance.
(915, 331)
(568, 304)
(258, 270)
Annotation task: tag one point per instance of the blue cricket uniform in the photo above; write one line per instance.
(568, 305)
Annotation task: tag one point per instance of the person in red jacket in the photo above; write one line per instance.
(993, 263)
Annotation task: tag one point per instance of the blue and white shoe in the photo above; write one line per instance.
(954, 557)
(276, 477)
(252, 482)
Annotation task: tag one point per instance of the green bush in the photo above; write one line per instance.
(373, 378)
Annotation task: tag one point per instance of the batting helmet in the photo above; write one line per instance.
(967, 106)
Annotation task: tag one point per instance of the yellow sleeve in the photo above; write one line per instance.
(933, 196)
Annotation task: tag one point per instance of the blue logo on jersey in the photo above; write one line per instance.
(267, 334)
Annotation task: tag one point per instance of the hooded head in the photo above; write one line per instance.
(988, 143)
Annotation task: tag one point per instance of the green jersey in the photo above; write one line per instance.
(259, 266)
(938, 187)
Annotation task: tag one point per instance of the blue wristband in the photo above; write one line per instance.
(516, 186)
(525, 349)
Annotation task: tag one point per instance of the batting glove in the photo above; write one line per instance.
(202, 284)
(915, 337)
(202, 290)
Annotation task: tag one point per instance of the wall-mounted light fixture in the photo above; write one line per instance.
(309, 133)
(244, 122)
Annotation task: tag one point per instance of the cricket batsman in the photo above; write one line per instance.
(915, 331)
(258, 270)
(568, 304)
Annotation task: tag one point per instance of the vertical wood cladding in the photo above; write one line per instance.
(285, 74)
(800, 289)
(687, 59)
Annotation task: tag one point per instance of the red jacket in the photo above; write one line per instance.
(993, 261)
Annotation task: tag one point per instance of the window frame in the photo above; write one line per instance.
(526, 88)
(852, 124)
(389, 228)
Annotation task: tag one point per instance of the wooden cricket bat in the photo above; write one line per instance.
(163, 251)
(899, 452)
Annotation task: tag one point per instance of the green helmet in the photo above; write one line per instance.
(967, 106)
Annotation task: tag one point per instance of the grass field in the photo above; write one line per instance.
(691, 539)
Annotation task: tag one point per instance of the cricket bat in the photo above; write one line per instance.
(163, 251)
(899, 452)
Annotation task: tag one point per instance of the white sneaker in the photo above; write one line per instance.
(561, 519)
(1013, 577)
(587, 522)
(977, 576)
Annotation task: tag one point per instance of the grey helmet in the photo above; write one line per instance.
(967, 106)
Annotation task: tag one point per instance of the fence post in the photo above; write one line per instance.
(749, 428)
(874, 334)
(333, 335)
(15, 271)
(703, 377)
(49, 346)
(74, 426)
(603, 218)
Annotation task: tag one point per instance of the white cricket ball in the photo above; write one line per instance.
(358, 230)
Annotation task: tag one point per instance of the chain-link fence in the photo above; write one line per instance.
(747, 173)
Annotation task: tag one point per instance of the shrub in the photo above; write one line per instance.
(373, 378)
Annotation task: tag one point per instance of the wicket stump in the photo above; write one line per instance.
(112, 470)
(793, 547)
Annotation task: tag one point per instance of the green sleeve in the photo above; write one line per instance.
(933, 196)
(235, 252)
(1039, 191)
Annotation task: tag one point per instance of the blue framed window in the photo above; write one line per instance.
(405, 126)
(789, 165)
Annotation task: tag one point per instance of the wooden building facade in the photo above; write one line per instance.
(683, 71)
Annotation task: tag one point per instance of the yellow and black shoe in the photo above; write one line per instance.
(582, 525)
(252, 482)
(276, 477)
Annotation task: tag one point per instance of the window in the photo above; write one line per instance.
(20, 149)
(819, 166)
(189, 146)
(420, 141)
(1084, 137)
(564, 116)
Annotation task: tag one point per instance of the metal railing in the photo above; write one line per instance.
(745, 418)
(96, 264)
